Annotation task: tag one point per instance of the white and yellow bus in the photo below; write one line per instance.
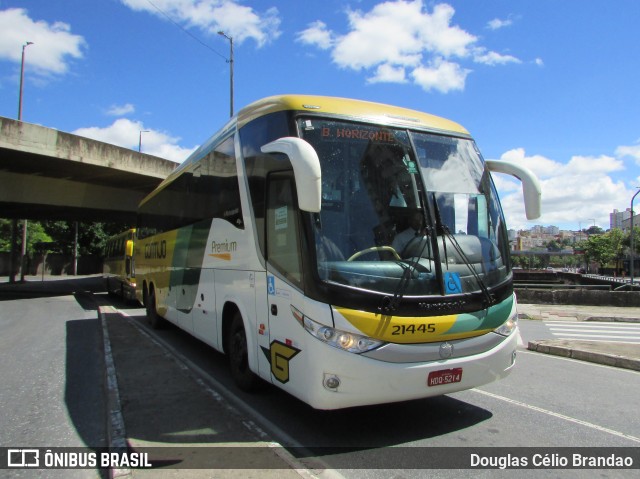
(117, 267)
(348, 252)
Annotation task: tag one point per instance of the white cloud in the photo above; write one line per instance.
(481, 55)
(632, 151)
(54, 46)
(388, 74)
(121, 110)
(578, 191)
(399, 40)
(126, 133)
(588, 165)
(441, 75)
(541, 166)
(497, 23)
(317, 34)
(211, 16)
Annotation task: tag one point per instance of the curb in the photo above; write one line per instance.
(116, 433)
(550, 347)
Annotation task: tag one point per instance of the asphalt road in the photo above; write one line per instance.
(51, 372)
(547, 401)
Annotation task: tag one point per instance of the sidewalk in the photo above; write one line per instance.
(622, 355)
(158, 406)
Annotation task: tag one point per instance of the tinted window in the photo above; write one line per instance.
(207, 189)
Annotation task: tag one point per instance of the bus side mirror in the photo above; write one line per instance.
(129, 248)
(530, 184)
(306, 170)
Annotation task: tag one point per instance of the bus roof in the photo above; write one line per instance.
(358, 110)
(355, 109)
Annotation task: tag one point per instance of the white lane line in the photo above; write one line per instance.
(560, 416)
(593, 324)
(575, 327)
(601, 336)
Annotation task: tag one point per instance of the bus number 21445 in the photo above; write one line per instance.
(402, 329)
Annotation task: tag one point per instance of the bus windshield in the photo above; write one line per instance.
(405, 209)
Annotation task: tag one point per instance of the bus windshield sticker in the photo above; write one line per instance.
(281, 218)
(452, 283)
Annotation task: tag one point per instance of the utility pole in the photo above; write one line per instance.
(230, 71)
(22, 81)
(631, 252)
(23, 251)
(140, 140)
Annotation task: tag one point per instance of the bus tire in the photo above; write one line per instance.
(238, 354)
(155, 320)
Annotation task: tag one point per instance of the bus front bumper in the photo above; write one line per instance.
(339, 379)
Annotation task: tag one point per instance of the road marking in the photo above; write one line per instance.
(600, 337)
(559, 416)
(617, 332)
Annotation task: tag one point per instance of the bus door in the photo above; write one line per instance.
(284, 279)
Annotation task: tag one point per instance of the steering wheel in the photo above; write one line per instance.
(374, 249)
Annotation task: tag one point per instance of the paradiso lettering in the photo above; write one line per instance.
(359, 134)
(155, 250)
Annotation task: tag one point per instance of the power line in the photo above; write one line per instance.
(188, 32)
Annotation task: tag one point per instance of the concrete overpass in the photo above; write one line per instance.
(49, 174)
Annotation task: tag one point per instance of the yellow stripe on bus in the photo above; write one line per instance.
(406, 329)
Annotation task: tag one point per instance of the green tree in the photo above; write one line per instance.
(523, 262)
(636, 239)
(91, 236)
(5, 234)
(605, 248)
(554, 246)
(35, 234)
(616, 238)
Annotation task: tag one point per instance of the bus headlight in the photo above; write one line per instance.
(508, 327)
(352, 342)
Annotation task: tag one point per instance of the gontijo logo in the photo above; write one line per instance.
(223, 250)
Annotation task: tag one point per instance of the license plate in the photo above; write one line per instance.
(444, 376)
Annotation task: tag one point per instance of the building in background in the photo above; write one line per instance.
(617, 219)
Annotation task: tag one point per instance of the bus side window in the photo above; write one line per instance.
(283, 247)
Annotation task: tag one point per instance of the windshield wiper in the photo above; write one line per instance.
(389, 305)
(440, 226)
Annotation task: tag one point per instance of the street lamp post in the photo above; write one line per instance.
(21, 81)
(631, 239)
(23, 251)
(140, 140)
(230, 70)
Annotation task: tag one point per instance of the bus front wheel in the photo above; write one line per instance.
(242, 375)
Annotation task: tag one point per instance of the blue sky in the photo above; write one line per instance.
(550, 84)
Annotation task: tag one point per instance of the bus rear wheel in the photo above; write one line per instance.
(242, 375)
(155, 320)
